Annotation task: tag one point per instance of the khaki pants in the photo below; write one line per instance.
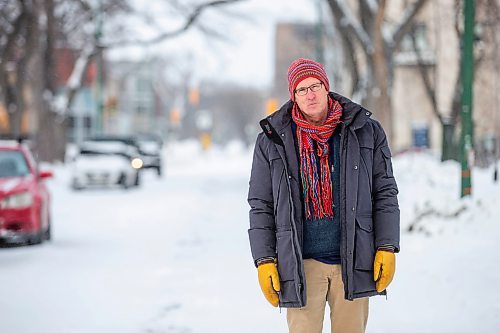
(324, 283)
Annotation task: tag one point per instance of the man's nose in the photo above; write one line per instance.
(310, 94)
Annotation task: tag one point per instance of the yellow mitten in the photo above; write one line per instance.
(269, 282)
(384, 268)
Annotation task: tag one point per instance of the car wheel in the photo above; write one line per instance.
(158, 171)
(123, 181)
(137, 181)
(36, 239)
(47, 235)
(75, 186)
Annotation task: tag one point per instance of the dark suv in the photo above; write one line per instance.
(150, 146)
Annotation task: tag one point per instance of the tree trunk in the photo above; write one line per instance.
(380, 91)
(52, 136)
(52, 127)
(14, 105)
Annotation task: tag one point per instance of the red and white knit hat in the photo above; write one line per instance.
(303, 68)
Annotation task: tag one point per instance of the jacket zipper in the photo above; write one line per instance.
(293, 224)
(342, 208)
(294, 232)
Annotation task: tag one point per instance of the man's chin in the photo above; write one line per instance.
(313, 108)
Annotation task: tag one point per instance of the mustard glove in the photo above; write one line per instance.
(384, 268)
(269, 282)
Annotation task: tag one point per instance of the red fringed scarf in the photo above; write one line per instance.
(317, 192)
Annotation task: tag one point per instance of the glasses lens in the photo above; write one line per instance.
(315, 87)
(301, 91)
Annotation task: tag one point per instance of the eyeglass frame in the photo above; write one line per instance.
(306, 89)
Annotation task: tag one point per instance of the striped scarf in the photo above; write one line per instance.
(317, 192)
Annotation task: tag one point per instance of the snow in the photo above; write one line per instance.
(173, 255)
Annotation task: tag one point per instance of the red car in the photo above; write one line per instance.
(24, 198)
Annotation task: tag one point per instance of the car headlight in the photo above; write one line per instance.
(20, 200)
(137, 163)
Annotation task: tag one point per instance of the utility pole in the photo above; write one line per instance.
(467, 73)
(100, 77)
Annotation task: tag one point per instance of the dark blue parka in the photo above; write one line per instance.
(369, 206)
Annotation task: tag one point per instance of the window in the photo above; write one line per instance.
(13, 164)
(420, 33)
(420, 136)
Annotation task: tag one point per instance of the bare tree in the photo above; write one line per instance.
(17, 44)
(31, 31)
(368, 30)
(487, 16)
(235, 109)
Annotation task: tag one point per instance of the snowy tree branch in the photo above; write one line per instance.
(85, 5)
(415, 225)
(11, 37)
(431, 92)
(406, 22)
(372, 5)
(63, 101)
(191, 19)
(347, 19)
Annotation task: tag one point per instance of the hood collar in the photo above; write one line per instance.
(353, 114)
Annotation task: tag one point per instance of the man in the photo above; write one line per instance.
(324, 217)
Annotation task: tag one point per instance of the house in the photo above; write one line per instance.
(415, 119)
(137, 98)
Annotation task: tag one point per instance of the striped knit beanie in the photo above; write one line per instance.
(303, 68)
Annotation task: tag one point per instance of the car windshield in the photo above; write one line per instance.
(13, 164)
(87, 152)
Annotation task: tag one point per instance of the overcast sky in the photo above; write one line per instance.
(247, 56)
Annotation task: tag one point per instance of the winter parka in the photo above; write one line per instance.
(369, 206)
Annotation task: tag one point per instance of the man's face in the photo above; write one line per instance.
(314, 104)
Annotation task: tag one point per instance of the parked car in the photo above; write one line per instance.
(24, 197)
(106, 163)
(150, 147)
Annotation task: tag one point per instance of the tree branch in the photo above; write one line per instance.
(372, 5)
(431, 92)
(342, 12)
(84, 5)
(429, 212)
(62, 102)
(11, 38)
(406, 22)
(352, 61)
(191, 19)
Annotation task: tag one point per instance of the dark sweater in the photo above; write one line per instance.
(322, 236)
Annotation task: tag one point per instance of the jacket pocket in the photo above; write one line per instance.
(276, 164)
(284, 249)
(387, 159)
(365, 139)
(366, 158)
(277, 172)
(364, 244)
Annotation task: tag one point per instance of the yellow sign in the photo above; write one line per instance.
(4, 119)
(271, 106)
(206, 141)
(194, 97)
(175, 116)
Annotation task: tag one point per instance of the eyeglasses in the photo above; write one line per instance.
(303, 91)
